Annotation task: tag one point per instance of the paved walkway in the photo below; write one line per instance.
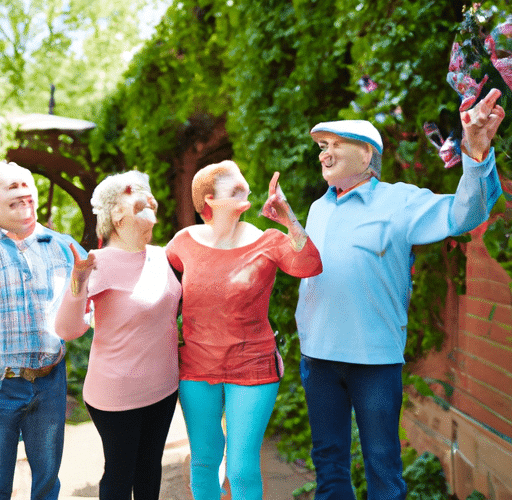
(82, 467)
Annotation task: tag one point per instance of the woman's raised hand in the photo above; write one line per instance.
(82, 269)
(276, 207)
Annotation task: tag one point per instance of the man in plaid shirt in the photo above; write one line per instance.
(35, 269)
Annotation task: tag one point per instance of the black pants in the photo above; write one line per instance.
(133, 445)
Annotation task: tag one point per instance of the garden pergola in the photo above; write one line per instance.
(43, 142)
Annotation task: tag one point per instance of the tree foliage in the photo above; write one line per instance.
(273, 69)
(81, 46)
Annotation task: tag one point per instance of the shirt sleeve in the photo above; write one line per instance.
(302, 264)
(70, 323)
(171, 250)
(434, 217)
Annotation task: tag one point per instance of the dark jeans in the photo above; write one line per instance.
(375, 392)
(133, 445)
(37, 410)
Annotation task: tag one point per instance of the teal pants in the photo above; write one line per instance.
(248, 410)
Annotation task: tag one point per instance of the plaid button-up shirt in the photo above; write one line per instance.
(34, 275)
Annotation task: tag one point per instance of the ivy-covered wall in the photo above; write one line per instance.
(272, 70)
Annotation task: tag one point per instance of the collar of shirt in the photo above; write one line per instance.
(40, 235)
(364, 192)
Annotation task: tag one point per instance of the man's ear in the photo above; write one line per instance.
(369, 154)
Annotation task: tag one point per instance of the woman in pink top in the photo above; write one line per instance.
(229, 360)
(132, 379)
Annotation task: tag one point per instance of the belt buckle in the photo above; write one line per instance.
(8, 373)
(28, 374)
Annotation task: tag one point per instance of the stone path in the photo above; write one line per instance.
(82, 466)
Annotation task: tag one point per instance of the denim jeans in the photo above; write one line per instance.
(37, 410)
(333, 388)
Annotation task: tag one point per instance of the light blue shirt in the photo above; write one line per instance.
(356, 310)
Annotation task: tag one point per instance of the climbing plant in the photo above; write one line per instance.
(273, 70)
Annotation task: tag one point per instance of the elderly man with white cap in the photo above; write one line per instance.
(352, 318)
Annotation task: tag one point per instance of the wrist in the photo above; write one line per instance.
(298, 241)
(294, 227)
(297, 235)
(76, 286)
(478, 156)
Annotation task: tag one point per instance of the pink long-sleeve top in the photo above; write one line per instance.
(134, 353)
(227, 334)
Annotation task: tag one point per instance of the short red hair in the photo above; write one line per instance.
(203, 184)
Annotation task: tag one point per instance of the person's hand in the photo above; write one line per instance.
(82, 269)
(276, 207)
(480, 125)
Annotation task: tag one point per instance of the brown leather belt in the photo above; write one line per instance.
(30, 374)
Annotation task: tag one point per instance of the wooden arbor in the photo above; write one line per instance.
(44, 141)
(50, 146)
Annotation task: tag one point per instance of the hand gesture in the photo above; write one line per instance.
(276, 207)
(82, 267)
(480, 125)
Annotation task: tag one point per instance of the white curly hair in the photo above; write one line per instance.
(26, 174)
(106, 196)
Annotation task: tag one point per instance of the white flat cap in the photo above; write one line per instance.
(359, 130)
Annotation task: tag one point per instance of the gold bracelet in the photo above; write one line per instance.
(75, 287)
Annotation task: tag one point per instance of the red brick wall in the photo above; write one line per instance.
(473, 437)
(483, 371)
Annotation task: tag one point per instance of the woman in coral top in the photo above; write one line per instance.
(229, 360)
(132, 379)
